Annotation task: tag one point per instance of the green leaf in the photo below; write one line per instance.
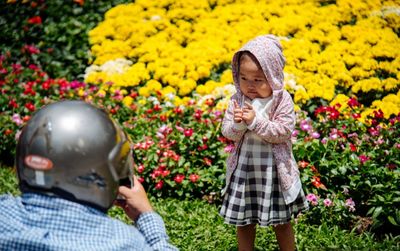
(377, 212)
(393, 221)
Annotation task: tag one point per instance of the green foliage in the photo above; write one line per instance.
(196, 225)
(57, 27)
(8, 181)
(178, 150)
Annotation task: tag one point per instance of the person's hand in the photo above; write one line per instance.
(136, 200)
(237, 113)
(248, 113)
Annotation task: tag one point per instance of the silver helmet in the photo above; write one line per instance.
(76, 151)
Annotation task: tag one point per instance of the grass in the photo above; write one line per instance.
(196, 225)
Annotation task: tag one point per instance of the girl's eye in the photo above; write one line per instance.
(243, 78)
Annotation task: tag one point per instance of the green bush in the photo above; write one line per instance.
(59, 28)
(179, 150)
(352, 164)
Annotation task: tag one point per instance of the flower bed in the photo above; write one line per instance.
(166, 79)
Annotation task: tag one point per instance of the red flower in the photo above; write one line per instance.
(133, 94)
(352, 102)
(207, 161)
(188, 132)
(197, 114)
(157, 108)
(163, 118)
(378, 114)
(303, 164)
(26, 118)
(202, 147)
(209, 102)
(30, 107)
(46, 85)
(194, 177)
(31, 49)
(353, 148)
(80, 2)
(391, 166)
(140, 168)
(179, 178)
(35, 20)
(8, 131)
(159, 185)
(363, 158)
(334, 114)
(165, 173)
(140, 179)
(317, 183)
(12, 104)
(178, 110)
(314, 169)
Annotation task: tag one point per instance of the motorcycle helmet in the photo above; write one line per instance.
(76, 151)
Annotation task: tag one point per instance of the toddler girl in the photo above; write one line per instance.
(262, 182)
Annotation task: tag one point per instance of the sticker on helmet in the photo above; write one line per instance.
(38, 163)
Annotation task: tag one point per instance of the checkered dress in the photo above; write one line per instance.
(254, 194)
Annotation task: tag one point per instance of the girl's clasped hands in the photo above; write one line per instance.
(246, 114)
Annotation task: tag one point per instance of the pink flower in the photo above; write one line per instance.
(17, 119)
(315, 135)
(350, 205)
(31, 49)
(333, 136)
(179, 128)
(229, 148)
(328, 203)
(305, 126)
(312, 198)
(295, 133)
(363, 158)
(17, 134)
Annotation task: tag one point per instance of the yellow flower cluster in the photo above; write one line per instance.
(183, 46)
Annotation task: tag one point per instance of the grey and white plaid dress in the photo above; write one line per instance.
(254, 194)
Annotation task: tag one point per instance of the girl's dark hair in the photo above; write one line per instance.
(249, 54)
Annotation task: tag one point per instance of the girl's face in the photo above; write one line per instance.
(252, 81)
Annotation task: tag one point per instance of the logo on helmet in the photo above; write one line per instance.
(38, 163)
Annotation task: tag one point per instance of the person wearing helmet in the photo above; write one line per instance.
(71, 159)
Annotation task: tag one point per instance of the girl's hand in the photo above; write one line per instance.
(248, 113)
(237, 113)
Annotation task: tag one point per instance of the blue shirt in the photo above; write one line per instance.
(39, 222)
